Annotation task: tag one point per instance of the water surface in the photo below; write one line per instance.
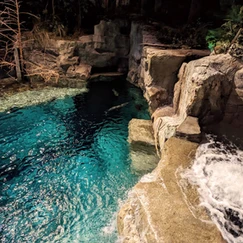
(64, 166)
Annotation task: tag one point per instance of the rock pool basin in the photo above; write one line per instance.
(64, 165)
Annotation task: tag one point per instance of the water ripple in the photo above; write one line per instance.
(64, 166)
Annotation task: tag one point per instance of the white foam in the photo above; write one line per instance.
(218, 171)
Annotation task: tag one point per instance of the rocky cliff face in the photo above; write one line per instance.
(153, 67)
(184, 96)
(208, 88)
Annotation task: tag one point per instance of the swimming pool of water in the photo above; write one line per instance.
(64, 166)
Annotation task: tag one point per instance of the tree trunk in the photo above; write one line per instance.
(19, 38)
(17, 63)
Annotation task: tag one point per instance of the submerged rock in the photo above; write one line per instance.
(161, 209)
(142, 146)
(34, 97)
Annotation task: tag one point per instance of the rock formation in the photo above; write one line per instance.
(142, 146)
(73, 60)
(184, 95)
(186, 90)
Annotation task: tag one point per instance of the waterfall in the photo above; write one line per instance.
(218, 173)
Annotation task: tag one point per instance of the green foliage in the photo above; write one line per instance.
(225, 34)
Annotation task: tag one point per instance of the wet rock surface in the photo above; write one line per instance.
(160, 209)
(142, 146)
(190, 130)
(182, 97)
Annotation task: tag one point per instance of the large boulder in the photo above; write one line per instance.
(159, 69)
(204, 87)
(162, 209)
(208, 89)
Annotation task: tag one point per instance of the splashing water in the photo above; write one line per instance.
(218, 171)
(64, 166)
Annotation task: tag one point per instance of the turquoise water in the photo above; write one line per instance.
(64, 166)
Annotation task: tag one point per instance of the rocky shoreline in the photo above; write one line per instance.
(187, 91)
(185, 97)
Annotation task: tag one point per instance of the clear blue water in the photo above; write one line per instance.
(64, 166)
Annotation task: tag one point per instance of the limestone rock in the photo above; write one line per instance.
(162, 66)
(156, 96)
(238, 79)
(204, 87)
(45, 60)
(165, 127)
(142, 146)
(204, 91)
(159, 209)
(157, 72)
(64, 62)
(64, 47)
(163, 111)
(86, 42)
(81, 71)
(139, 34)
(97, 59)
(190, 130)
(107, 48)
(108, 37)
(234, 107)
(141, 131)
